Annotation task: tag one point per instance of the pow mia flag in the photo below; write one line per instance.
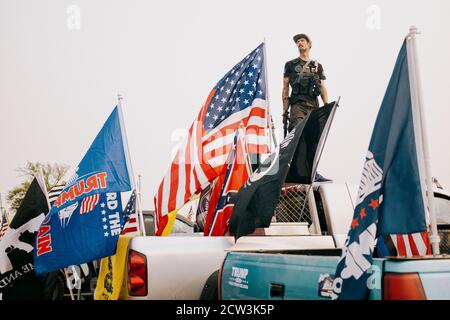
(17, 277)
(257, 199)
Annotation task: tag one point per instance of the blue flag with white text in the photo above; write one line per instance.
(86, 219)
(390, 199)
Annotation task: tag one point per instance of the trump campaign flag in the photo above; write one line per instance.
(390, 198)
(111, 273)
(233, 177)
(86, 219)
(239, 98)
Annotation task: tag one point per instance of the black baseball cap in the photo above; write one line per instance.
(301, 35)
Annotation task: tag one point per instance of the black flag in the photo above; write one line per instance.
(257, 200)
(17, 277)
(304, 162)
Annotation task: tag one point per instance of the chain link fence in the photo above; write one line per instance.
(293, 205)
(444, 245)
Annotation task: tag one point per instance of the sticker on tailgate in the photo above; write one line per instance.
(238, 277)
(326, 286)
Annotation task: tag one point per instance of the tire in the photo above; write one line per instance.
(211, 289)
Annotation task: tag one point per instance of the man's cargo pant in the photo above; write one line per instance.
(299, 111)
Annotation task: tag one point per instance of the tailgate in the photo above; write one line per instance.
(275, 276)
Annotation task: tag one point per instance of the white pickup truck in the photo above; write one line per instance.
(179, 267)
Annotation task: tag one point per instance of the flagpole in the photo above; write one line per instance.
(127, 152)
(140, 213)
(41, 181)
(125, 140)
(269, 117)
(310, 191)
(323, 139)
(421, 132)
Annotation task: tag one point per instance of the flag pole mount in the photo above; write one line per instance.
(130, 169)
(271, 133)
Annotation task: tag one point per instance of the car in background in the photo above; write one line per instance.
(182, 225)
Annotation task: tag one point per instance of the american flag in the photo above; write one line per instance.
(131, 227)
(405, 245)
(5, 224)
(88, 204)
(54, 192)
(238, 100)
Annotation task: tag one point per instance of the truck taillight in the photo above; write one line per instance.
(403, 286)
(137, 274)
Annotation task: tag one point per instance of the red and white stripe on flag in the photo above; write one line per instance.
(239, 99)
(203, 156)
(189, 173)
(217, 144)
(412, 245)
(131, 227)
(88, 204)
(3, 229)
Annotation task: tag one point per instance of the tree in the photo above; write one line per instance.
(53, 175)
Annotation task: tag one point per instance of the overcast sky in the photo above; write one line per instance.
(62, 64)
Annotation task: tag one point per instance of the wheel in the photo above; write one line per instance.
(211, 289)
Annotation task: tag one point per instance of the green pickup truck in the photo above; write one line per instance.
(306, 273)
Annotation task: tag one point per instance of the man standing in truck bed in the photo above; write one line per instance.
(305, 76)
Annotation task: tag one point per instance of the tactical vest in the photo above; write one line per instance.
(307, 82)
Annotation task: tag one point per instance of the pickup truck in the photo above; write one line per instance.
(302, 273)
(179, 266)
(185, 265)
